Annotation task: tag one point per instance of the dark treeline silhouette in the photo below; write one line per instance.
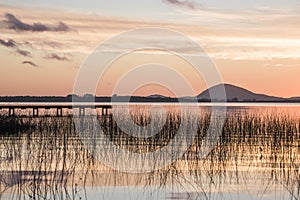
(137, 99)
(233, 94)
(85, 99)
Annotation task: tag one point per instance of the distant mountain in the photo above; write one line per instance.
(235, 93)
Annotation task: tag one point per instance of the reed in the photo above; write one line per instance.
(10, 125)
(44, 158)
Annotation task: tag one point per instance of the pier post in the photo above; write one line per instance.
(59, 112)
(81, 112)
(35, 112)
(11, 112)
(104, 111)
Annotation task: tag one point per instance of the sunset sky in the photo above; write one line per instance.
(254, 44)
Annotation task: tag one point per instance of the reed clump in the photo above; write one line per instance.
(9, 124)
(47, 159)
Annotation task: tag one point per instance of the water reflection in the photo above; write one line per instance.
(257, 157)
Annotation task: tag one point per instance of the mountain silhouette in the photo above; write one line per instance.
(235, 93)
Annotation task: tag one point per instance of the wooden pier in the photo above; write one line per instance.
(59, 109)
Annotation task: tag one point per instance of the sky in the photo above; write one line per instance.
(253, 44)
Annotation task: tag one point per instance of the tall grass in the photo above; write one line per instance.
(47, 159)
(14, 124)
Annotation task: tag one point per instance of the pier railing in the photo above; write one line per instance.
(58, 108)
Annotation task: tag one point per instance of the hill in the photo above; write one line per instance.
(235, 93)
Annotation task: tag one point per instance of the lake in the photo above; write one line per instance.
(169, 152)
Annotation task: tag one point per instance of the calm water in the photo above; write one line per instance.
(255, 157)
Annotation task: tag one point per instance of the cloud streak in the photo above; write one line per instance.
(226, 34)
(16, 24)
(8, 43)
(23, 52)
(14, 45)
(54, 56)
(189, 4)
(30, 63)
